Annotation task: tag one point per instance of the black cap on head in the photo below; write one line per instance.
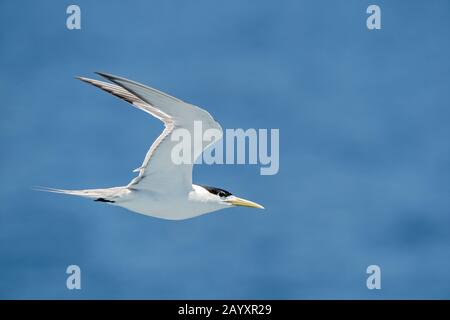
(217, 191)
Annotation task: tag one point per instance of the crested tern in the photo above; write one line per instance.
(162, 188)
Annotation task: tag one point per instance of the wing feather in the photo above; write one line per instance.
(158, 172)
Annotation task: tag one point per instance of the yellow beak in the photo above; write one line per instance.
(235, 201)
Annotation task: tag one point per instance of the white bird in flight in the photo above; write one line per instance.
(162, 189)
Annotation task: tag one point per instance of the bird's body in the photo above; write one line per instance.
(163, 188)
(170, 206)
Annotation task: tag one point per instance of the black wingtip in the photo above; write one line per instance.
(104, 200)
(105, 75)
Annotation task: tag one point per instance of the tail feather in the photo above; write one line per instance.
(103, 195)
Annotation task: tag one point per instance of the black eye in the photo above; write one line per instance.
(222, 194)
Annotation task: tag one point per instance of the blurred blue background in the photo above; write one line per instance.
(364, 153)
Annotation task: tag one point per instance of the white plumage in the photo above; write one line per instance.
(162, 189)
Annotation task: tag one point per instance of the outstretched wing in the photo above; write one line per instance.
(158, 172)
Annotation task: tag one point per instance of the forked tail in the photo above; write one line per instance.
(104, 195)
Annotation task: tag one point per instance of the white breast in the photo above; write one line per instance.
(171, 207)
